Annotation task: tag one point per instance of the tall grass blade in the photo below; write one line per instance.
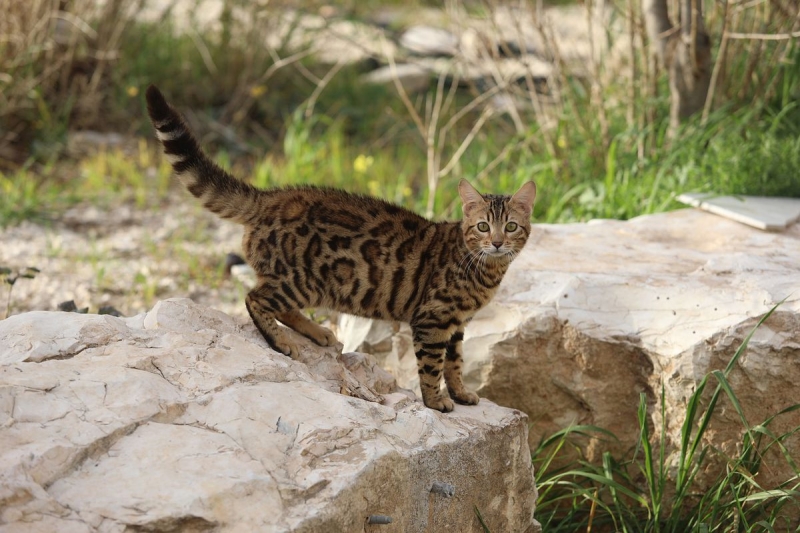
(689, 445)
(482, 522)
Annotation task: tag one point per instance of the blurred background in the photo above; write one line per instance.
(613, 108)
(293, 91)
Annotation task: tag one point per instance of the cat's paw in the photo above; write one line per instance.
(285, 346)
(465, 397)
(440, 403)
(319, 334)
(325, 337)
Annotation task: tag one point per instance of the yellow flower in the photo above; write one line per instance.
(561, 142)
(362, 163)
(132, 91)
(257, 90)
(374, 187)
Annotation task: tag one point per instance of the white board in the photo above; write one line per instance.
(767, 213)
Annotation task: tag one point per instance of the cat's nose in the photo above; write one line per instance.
(497, 244)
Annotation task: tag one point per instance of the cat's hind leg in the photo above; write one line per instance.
(452, 371)
(305, 326)
(265, 303)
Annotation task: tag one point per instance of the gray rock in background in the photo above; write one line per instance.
(429, 41)
(413, 78)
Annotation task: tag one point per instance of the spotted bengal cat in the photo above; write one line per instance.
(320, 247)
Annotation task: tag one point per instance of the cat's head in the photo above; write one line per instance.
(496, 225)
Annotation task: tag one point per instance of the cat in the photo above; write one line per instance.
(322, 247)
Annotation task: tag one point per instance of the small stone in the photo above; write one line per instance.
(232, 260)
(244, 274)
(68, 306)
(109, 310)
(429, 41)
(413, 78)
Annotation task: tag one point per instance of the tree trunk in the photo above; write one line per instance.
(656, 19)
(684, 51)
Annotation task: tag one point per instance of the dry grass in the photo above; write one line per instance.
(61, 64)
(594, 140)
(55, 64)
(80, 65)
(623, 89)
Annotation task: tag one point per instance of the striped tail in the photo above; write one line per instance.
(220, 192)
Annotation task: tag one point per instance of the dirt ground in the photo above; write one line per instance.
(124, 257)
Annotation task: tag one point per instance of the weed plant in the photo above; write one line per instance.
(10, 278)
(648, 492)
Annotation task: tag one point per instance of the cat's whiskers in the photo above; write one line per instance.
(480, 263)
(475, 262)
(472, 257)
(462, 267)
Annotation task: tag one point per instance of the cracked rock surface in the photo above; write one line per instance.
(182, 419)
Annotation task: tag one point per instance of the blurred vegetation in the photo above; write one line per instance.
(596, 143)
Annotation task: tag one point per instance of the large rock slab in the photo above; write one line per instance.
(182, 419)
(591, 315)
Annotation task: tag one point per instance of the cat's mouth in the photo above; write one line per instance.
(496, 253)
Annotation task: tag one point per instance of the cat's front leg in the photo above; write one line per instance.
(452, 371)
(430, 343)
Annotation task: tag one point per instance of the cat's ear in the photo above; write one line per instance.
(524, 197)
(470, 197)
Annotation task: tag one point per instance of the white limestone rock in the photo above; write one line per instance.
(591, 315)
(183, 419)
(429, 41)
(413, 78)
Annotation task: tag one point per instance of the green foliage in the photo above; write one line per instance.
(42, 192)
(23, 195)
(650, 492)
(606, 157)
(316, 152)
(734, 153)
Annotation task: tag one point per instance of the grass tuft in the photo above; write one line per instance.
(645, 493)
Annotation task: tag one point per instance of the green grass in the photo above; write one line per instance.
(735, 153)
(361, 137)
(24, 196)
(42, 192)
(652, 492)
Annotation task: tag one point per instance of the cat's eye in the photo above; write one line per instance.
(511, 226)
(483, 226)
